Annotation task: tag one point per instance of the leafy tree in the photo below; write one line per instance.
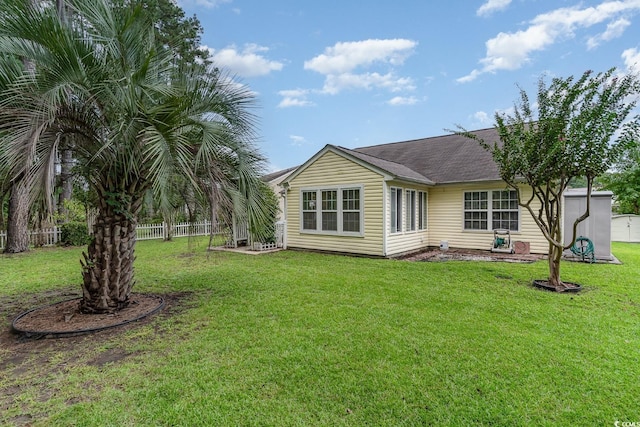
(135, 118)
(578, 130)
(177, 32)
(624, 182)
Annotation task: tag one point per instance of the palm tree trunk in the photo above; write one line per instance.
(107, 269)
(18, 219)
(3, 194)
(66, 184)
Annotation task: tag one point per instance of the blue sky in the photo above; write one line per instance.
(355, 73)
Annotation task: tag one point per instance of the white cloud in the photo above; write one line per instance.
(492, 6)
(294, 102)
(614, 30)
(631, 59)
(294, 93)
(204, 3)
(294, 98)
(344, 57)
(469, 77)
(248, 62)
(297, 140)
(402, 100)
(336, 83)
(481, 117)
(510, 51)
(339, 63)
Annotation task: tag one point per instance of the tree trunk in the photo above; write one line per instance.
(66, 184)
(18, 219)
(107, 270)
(170, 225)
(213, 212)
(555, 255)
(2, 199)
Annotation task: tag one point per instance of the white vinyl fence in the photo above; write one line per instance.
(51, 236)
(44, 237)
(181, 229)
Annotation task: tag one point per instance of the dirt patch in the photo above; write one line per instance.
(470, 255)
(33, 367)
(111, 355)
(25, 362)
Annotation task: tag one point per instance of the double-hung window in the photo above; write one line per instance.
(309, 210)
(476, 210)
(495, 209)
(332, 210)
(329, 210)
(410, 210)
(396, 210)
(422, 210)
(351, 210)
(504, 206)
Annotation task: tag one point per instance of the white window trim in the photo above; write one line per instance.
(420, 196)
(402, 215)
(399, 223)
(338, 189)
(411, 220)
(489, 212)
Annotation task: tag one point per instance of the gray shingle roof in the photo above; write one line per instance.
(277, 174)
(441, 159)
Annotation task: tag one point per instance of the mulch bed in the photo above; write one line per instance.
(471, 255)
(570, 287)
(64, 318)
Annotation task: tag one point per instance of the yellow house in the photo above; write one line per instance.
(392, 199)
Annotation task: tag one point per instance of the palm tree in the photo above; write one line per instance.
(135, 120)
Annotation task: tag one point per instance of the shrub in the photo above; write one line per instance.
(75, 234)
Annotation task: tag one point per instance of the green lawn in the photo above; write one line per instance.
(295, 338)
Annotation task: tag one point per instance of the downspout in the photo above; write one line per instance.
(384, 218)
(283, 193)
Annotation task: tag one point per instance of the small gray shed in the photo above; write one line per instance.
(597, 227)
(625, 228)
